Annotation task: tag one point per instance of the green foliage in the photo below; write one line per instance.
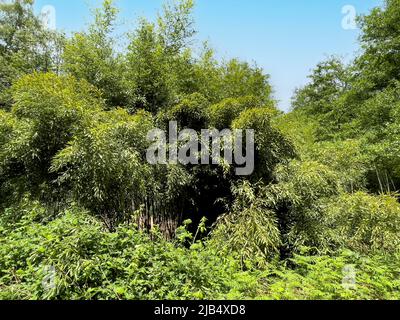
(241, 79)
(296, 200)
(328, 81)
(157, 58)
(360, 101)
(90, 263)
(7, 124)
(379, 64)
(346, 157)
(378, 121)
(176, 25)
(25, 211)
(305, 182)
(83, 211)
(190, 112)
(25, 46)
(36, 95)
(147, 74)
(313, 211)
(103, 166)
(72, 257)
(322, 99)
(346, 276)
(91, 56)
(13, 137)
(51, 109)
(224, 113)
(365, 223)
(250, 230)
(299, 128)
(271, 146)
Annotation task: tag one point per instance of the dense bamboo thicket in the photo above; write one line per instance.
(78, 196)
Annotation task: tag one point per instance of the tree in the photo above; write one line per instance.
(25, 46)
(147, 75)
(241, 79)
(48, 111)
(91, 56)
(379, 64)
(176, 25)
(328, 81)
(103, 165)
(157, 54)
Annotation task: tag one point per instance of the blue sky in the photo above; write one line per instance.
(285, 37)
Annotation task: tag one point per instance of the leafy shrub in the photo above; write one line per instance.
(12, 133)
(90, 263)
(271, 146)
(346, 276)
(104, 166)
(251, 229)
(26, 209)
(190, 112)
(295, 197)
(365, 223)
(282, 216)
(50, 110)
(299, 128)
(347, 158)
(14, 137)
(36, 95)
(314, 211)
(73, 257)
(223, 113)
(305, 182)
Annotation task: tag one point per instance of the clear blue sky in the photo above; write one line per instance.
(285, 37)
